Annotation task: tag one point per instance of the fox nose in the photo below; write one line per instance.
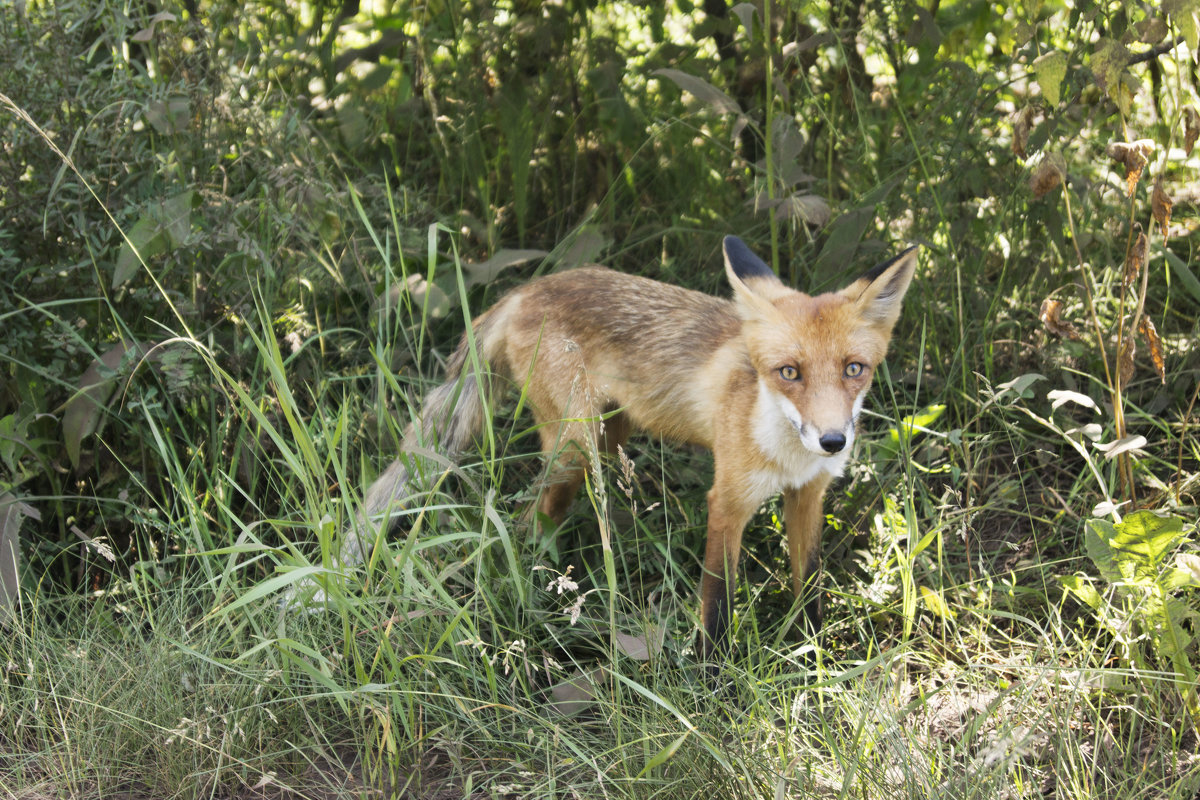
(833, 442)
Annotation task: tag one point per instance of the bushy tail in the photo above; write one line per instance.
(452, 415)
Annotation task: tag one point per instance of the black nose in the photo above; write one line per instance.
(833, 442)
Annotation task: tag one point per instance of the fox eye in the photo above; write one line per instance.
(854, 369)
(789, 373)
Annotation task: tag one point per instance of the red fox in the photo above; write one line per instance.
(771, 381)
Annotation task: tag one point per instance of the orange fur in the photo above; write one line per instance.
(771, 381)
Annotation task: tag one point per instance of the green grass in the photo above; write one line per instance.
(979, 639)
(441, 667)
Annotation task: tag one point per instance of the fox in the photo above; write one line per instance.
(772, 381)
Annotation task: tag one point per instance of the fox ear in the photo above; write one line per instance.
(748, 274)
(881, 289)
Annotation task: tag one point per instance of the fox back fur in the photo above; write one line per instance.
(771, 381)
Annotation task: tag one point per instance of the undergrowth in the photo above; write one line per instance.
(239, 243)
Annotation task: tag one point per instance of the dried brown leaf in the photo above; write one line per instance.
(1191, 128)
(1160, 204)
(1154, 342)
(1134, 157)
(1125, 360)
(1051, 316)
(1022, 124)
(1049, 173)
(1135, 258)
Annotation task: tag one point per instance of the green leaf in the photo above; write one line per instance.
(664, 755)
(1095, 541)
(1183, 272)
(1082, 588)
(163, 227)
(1050, 69)
(1147, 535)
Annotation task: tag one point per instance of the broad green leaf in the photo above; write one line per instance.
(1082, 588)
(1050, 69)
(1096, 541)
(163, 227)
(1189, 565)
(1184, 14)
(1182, 272)
(1108, 59)
(1147, 534)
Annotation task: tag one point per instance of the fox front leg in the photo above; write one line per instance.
(728, 515)
(804, 518)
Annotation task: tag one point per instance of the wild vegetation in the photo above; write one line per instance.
(238, 241)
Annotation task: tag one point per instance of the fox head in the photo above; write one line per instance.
(814, 356)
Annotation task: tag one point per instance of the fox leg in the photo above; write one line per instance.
(804, 517)
(729, 511)
(566, 449)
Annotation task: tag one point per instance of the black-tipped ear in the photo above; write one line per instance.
(881, 289)
(742, 261)
(877, 270)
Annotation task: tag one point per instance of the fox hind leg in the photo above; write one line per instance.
(567, 447)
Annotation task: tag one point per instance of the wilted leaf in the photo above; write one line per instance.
(1114, 449)
(1051, 317)
(1191, 128)
(1050, 69)
(428, 295)
(1135, 259)
(1092, 430)
(1020, 385)
(805, 208)
(486, 271)
(1133, 156)
(1058, 397)
(1160, 204)
(12, 514)
(1022, 124)
(1049, 173)
(82, 413)
(1151, 30)
(745, 14)
(1154, 342)
(146, 34)
(701, 90)
(1125, 364)
(575, 695)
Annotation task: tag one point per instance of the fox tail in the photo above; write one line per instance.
(452, 416)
